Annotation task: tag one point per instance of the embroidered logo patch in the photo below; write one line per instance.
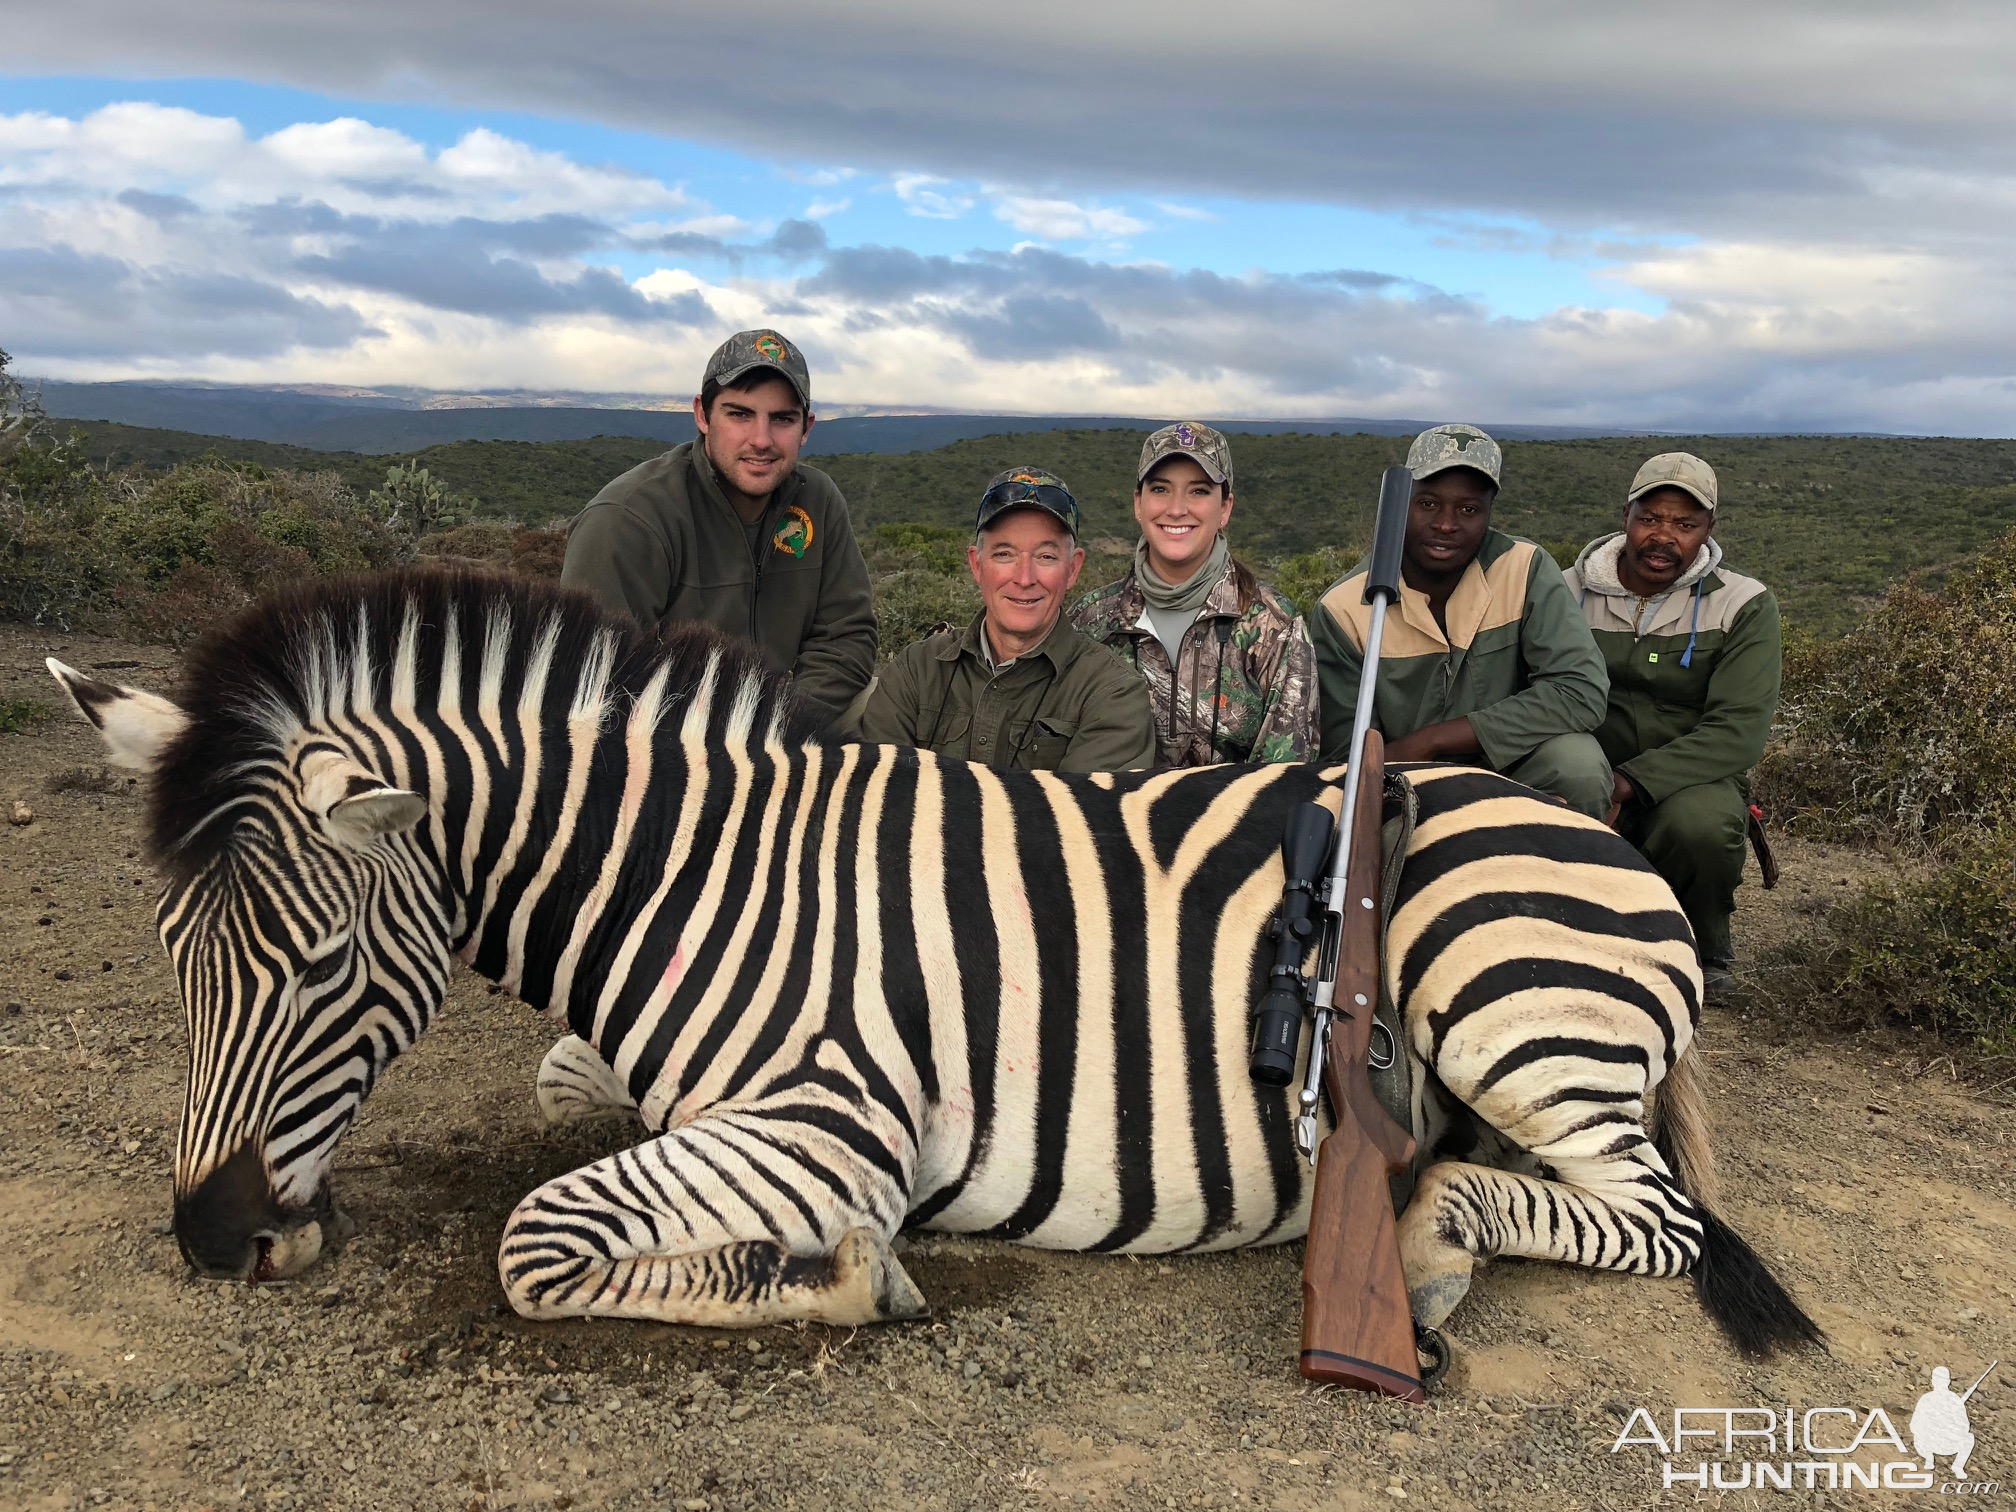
(769, 346)
(794, 536)
(1185, 436)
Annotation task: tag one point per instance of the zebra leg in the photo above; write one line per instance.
(1621, 1212)
(738, 1219)
(575, 1084)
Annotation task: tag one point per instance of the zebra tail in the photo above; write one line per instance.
(1732, 1280)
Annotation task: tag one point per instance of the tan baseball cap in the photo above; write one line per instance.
(1445, 446)
(1682, 470)
(746, 351)
(1186, 438)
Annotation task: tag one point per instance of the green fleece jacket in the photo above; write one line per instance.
(1694, 682)
(1070, 705)
(662, 543)
(1517, 660)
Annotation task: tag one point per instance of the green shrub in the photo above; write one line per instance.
(162, 556)
(1935, 952)
(1905, 728)
(1304, 579)
(18, 716)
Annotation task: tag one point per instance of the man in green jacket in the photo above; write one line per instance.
(1486, 660)
(1019, 687)
(732, 531)
(1694, 657)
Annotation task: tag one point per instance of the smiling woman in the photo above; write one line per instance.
(1225, 658)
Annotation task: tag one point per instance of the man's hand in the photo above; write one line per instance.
(1450, 740)
(1622, 791)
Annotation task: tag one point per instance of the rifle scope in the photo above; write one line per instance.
(1277, 1017)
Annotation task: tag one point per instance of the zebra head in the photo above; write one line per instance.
(305, 921)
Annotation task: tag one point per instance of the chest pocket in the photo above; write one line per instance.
(944, 729)
(1042, 742)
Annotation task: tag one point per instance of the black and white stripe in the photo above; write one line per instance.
(849, 988)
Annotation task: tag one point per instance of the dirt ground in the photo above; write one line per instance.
(390, 1376)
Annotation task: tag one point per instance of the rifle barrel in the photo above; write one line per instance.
(1978, 1380)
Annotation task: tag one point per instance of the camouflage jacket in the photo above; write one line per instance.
(1244, 688)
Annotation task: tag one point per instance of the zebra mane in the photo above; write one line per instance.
(324, 649)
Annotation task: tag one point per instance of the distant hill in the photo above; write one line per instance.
(384, 424)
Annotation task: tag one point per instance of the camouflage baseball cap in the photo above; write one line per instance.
(1027, 488)
(1186, 438)
(1445, 446)
(1681, 470)
(746, 351)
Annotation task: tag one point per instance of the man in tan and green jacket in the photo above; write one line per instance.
(1694, 658)
(1018, 687)
(733, 531)
(1486, 659)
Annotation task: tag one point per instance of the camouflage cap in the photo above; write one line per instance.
(1681, 470)
(1445, 446)
(746, 351)
(1027, 488)
(1186, 438)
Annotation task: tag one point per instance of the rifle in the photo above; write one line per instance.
(1357, 1326)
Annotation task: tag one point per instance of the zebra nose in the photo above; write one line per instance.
(225, 1226)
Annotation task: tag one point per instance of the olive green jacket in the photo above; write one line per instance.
(1518, 661)
(1694, 681)
(1068, 706)
(662, 543)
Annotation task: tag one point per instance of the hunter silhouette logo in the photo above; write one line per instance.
(795, 534)
(1831, 1448)
(1939, 1423)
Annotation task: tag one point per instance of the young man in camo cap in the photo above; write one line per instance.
(1486, 659)
(731, 530)
(1018, 687)
(1694, 658)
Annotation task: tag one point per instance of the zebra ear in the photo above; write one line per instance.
(355, 804)
(136, 726)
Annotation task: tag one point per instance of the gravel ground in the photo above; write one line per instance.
(391, 1376)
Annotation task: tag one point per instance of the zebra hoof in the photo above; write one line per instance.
(1433, 1299)
(869, 1283)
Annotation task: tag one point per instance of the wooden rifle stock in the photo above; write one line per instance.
(1357, 1324)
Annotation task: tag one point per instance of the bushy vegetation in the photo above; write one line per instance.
(1900, 737)
(1904, 730)
(1829, 521)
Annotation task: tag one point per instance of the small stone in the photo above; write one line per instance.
(740, 1411)
(1144, 1362)
(62, 976)
(20, 813)
(1553, 1341)
(971, 1369)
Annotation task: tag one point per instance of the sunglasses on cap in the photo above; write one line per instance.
(1017, 491)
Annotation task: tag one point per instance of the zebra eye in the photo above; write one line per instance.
(323, 970)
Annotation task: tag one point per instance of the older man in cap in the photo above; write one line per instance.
(1018, 687)
(1486, 660)
(732, 531)
(1694, 658)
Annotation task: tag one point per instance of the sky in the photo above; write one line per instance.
(1700, 215)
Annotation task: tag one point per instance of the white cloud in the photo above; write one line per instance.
(1186, 212)
(1061, 220)
(142, 241)
(347, 164)
(819, 209)
(922, 196)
